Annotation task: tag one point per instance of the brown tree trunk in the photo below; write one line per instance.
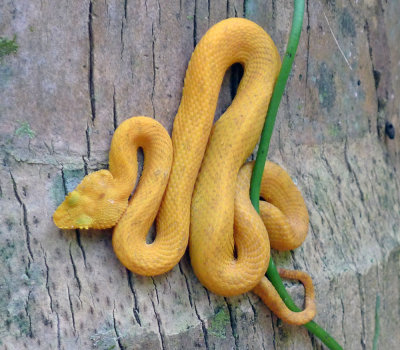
(82, 67)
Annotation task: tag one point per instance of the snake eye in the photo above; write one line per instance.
(73, 198)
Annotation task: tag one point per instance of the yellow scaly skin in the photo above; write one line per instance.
(101, 200)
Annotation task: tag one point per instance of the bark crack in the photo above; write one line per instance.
(273, 331)
(187, 284)
(350, 168)
(167, 280)
(195, 24)
(78, 240)
(71, 309)
(315, 344)
(273, 5)
(209, 12)
(30, 333)
(124, 20)
(155, 289)
(75, 271)
(91, 62)
(115, 116)
(307, 54)
(126, 9)
(85, 165)
(159, 12)
(154, 70)
(193, 305)
(116, 330)
(47, 280)
(338, 244)
(203, 327)
(64, 180)
(295, 263)
(58, 332)
(318, 243)
(376, 75)
(24, 217)
(233, 322)
(208, 296)
(280, 144)
(262, 343)
(362, 311)
(135, 309)
(87, 145)
(255, 314)
(328, 166)
(50, 148)
(343, 326)
(159, 324)
(325, 218)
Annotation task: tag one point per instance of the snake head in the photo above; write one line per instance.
(95, 203)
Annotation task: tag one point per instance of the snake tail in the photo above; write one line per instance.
(266, 291)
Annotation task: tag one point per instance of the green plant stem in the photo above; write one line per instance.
(272, 272)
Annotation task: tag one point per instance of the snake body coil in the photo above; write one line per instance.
(205, 191)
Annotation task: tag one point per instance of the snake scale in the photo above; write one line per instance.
(197, 182)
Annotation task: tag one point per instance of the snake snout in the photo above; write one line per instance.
(71, 214)
(62, 219)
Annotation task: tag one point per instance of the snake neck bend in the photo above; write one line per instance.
(101, 199)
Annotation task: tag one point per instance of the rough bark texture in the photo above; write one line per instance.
(82, 67)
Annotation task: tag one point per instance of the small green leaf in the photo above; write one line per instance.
(25, 129)
(7, 46)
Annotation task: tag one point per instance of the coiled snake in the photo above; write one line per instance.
(207, 187)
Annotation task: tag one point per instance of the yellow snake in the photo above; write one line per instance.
(205, 191)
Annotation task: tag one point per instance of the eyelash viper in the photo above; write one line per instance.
(204, 192)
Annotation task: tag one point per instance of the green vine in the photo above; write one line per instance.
(272, 272)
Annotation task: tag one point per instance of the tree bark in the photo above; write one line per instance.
(82, 67)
